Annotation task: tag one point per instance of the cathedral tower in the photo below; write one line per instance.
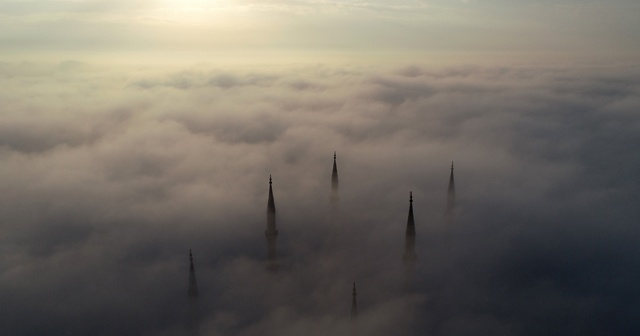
(271, 233)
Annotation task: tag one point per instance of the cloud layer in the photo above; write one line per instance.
(110, 175)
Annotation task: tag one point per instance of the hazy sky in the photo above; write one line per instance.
(133, 131)
(169, 27)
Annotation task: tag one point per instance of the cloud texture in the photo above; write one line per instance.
(110, 175)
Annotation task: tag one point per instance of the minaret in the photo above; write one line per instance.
(409, 257)
(354, 304)
(451, 199)
(193, 286)
(334, 184)
(271, 233)
(410, 236)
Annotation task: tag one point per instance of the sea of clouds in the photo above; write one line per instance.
(109, 175)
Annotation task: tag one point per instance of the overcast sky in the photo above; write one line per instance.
(215, 28)
(133, 131)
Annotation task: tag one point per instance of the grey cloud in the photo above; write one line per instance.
(235, 128)
(302, 85)
(196, 78)
(37, 133)
(128, 172)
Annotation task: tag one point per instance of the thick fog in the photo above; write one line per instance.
(109, 175)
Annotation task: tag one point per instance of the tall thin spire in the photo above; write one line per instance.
(451, 182)
(410, 235)
(271, 205)
(354, 304)
(334, 174)
(193, 286)
(409, 257)
(271, 233)
(451, 198)
(334, 200)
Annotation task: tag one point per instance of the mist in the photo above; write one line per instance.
(110, 174)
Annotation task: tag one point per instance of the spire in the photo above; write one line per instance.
(271, 206)
(334, 174)
(410, 234)
(451, 198)
(334, 198)
(193, 286)
(451, 183)
(411, 226)
(354, 304)
(191, 260)
(271, 233)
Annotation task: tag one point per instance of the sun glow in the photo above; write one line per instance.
(197, 13)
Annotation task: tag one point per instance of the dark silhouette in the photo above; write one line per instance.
(193, 309)
(334, 185)
(271, 233)
(409, 255)
(334, 175)
(334, 196)
(193, 286)
(451, 200)
(354, 304)
(353, 326)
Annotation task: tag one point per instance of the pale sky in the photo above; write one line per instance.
(160, 27)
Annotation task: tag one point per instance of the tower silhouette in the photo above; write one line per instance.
(409, 257)
(451, 200)
(334, 184)
(193, 307)
(193, 286)
(334, 174)
(271, 233)
(334, 197)
(353, 326)
(354, 304)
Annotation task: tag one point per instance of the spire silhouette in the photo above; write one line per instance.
(410, 235)
(334, 174)
(334, 200)
(271, 205)
(193, 286)
(451, 199)
(354, 304)
(409, 257)
(271, 233)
